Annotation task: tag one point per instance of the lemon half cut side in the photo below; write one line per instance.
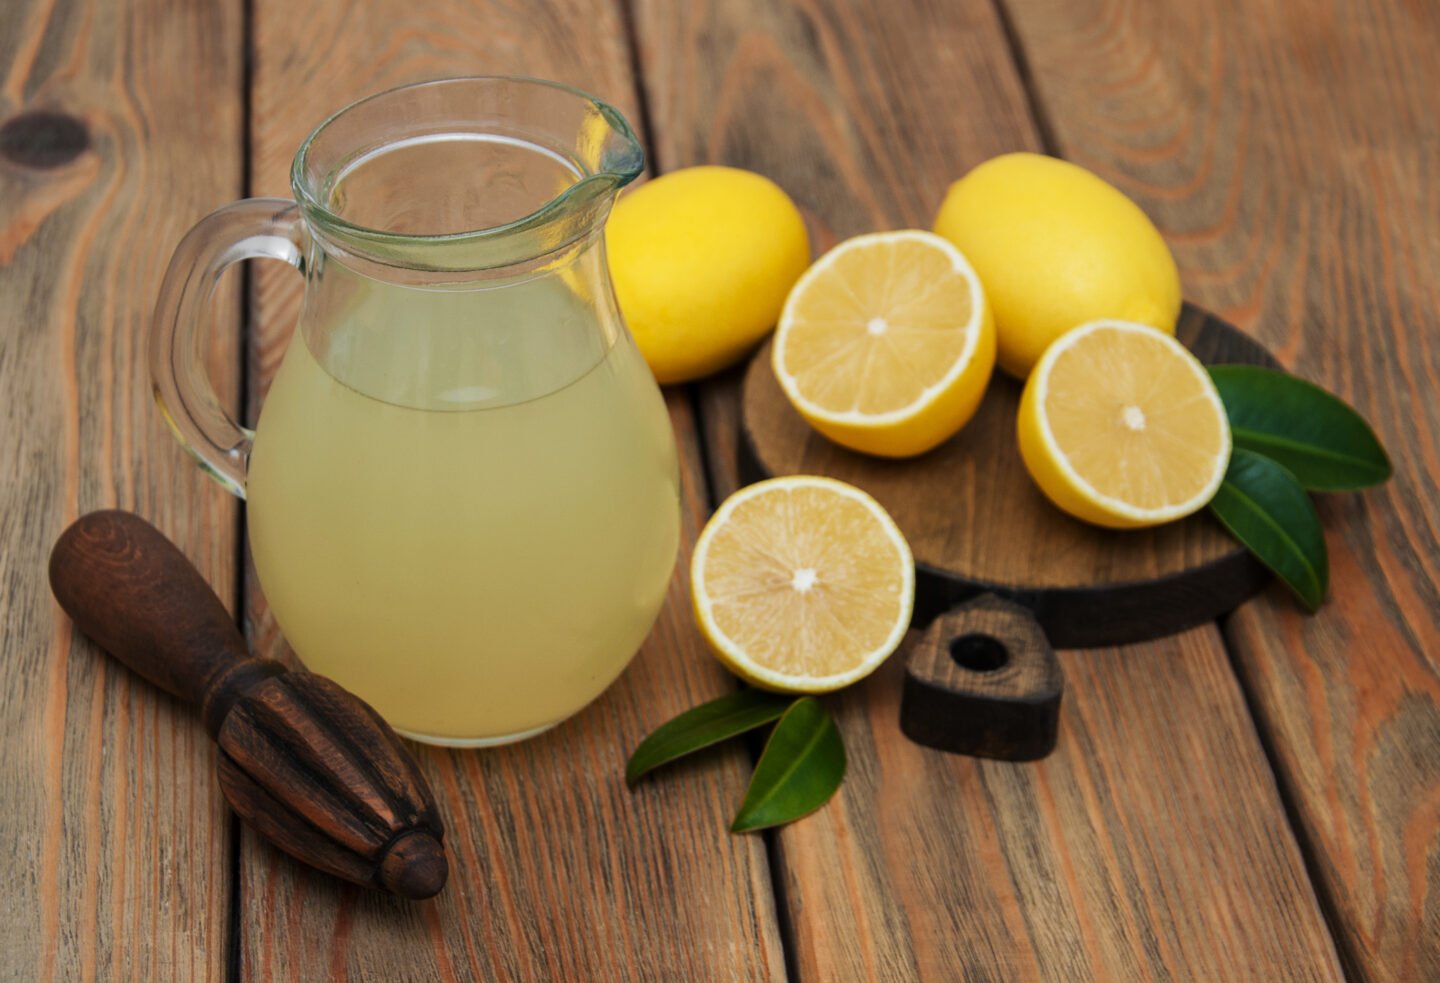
(886, 343)
(1121, 426)
(802, 584)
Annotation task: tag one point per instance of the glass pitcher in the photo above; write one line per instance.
(462, 493)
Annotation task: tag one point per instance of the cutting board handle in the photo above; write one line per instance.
(983, 681)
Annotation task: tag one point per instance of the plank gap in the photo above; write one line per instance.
(754, 743)
(1039, 116)
(784, 922)
(232, 922)
(642, 111)
(713, 489)
(702, 439)
(1350, 962)
(234, 958)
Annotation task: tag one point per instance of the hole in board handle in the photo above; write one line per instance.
(978, 653)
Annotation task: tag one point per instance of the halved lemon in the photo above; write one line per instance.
(1120, 425)
(802, 584)
(886, 344)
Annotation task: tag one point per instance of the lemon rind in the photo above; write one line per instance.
(731, 652)
(1097, 498)
(929, 394)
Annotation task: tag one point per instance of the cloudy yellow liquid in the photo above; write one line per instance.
(475, 546)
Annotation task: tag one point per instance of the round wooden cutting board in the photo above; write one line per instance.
(977, 523)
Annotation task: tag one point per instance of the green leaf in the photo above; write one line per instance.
(1319, 439)
(1265, 508)
(801, 767)
(710, 723)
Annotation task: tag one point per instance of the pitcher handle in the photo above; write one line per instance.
(256, 228)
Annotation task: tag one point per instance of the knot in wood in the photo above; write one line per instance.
(43, 139)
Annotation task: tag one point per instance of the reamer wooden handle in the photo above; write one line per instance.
(308, 764)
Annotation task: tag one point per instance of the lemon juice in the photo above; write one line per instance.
(475, 542)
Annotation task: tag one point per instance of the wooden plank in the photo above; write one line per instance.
(558, 872)
(1149, 845)
(1286, 150)
(1153, 844)
(117, 840)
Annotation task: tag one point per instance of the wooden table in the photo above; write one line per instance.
(1254, 800)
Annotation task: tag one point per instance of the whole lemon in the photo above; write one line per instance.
(702, 259)
(1056, 247)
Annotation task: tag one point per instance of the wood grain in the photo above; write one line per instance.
(976, 522)
(1287, 152)
(1148, 846)
(116, 838)
(1152, 844)
(557, 871)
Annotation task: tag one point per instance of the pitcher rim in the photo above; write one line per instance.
(608, 180)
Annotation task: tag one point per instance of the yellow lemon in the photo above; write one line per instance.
(1055, 247)
(702, 260)
(886, 344)
(802, 584)
(1121, 426)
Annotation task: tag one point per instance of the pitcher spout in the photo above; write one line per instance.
(465, 174)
